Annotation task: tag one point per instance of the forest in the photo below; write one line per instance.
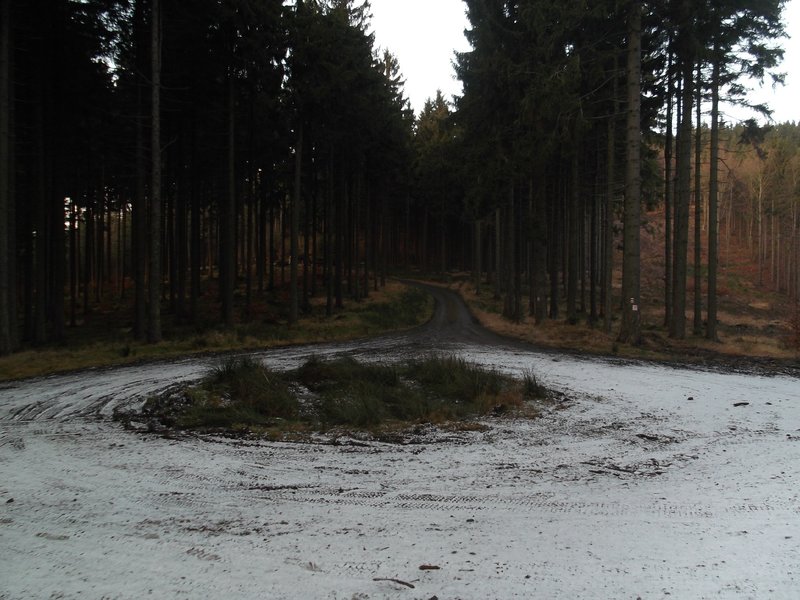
(187, 157)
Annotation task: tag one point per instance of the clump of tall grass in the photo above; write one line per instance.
(454, 379)
(359, 394)
(320, 375)
(531, 387)
(240, 392)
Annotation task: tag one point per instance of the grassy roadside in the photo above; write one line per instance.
(395, 307)
(558, 334)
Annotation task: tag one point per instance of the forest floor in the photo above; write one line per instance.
(104, 337)
(755, 324)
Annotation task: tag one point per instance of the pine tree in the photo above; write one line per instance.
(154, 287)
(630, 330)
(7, 251)
(740, 42)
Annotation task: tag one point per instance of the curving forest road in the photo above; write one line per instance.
(646, 481)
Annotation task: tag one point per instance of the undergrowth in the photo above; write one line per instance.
(239, 392)
(243, 394)
(100, 342)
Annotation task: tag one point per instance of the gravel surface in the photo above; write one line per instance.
(645, 480)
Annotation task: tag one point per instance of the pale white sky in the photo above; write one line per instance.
(424, 34)
(784, 100)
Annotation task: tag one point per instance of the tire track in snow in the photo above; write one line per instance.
(436, 502)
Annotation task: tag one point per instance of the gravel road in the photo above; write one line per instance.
(646, 481)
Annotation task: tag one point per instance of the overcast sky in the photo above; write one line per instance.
(424, 34)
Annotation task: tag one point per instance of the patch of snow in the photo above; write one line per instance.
(645, 481)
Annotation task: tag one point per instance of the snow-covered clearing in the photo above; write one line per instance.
(646, 482)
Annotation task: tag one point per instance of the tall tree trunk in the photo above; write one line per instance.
(368, 238)
(298, 182)
(573, 234)
(594, 246)
(713, 192)
(338, 233)
(12, 211)
(73, 264)
(304, 296)
(122, 247)
(539, 248)
(183, 200)
(7, 252)
(252, 202)
(498, 264)
(383, 245)
(262, 248)
(169, 245)
(327, 239)
(630, 330)
(227, 254)
(697, 327)
(608, 225)
(154, 290)
(530, 252)
(555, 238)
(677, 328)
(99, 242)
(511, 304)
(407, 230)
(195, 229)
(668, 198)
(477, 268)
(88, 255)
(686, 52)
(314, 228)
(55, 200)
(109, 240)
(139, 218)
(40, 211)
(272, 249)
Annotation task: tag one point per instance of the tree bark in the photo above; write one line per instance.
(195, 233)
(573, 235)
(139, 210)
(555, 238)
(154, 289)
(73, 264)
(227, 254)
(55, 200)
(668, 198)
(539, 248)
(7, 319)
(40, 211)
(298, 181)
(697, 324)
(608, 217)
(630, 330)
(677, 328)
(713, 192)
(497, 255)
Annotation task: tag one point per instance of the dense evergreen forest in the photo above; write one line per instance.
(182, 154)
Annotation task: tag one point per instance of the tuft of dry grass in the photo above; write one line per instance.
(750, 326)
